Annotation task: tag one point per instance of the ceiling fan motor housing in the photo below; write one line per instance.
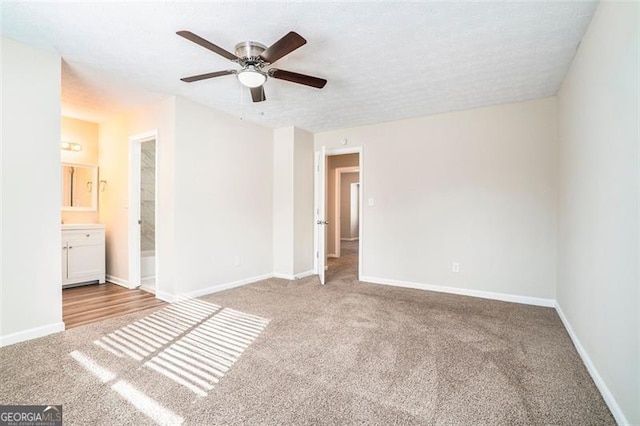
(249, 52)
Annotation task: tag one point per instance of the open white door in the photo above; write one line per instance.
(320, 213)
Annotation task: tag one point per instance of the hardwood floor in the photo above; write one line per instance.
(93, 303)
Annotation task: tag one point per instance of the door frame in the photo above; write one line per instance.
(135, 160)
(339, 151)
(319, 200)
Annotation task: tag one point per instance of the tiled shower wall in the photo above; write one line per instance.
(148, 197)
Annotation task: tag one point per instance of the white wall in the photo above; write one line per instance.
(30, 277)
(214, 196)
(161, 117)
(303, 217)
(113, 201)
(283, 201)
(293, 225)
(598, 281)
(222, 198)
(86, 134)
(476, 187)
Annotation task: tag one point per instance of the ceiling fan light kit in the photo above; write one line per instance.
(253, 57)
(251, 76)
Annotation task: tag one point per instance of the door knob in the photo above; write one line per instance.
(322, 222)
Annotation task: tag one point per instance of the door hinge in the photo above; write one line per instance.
(318, 254)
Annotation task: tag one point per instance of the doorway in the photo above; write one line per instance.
(339, 214)
(143, 212)
(345, 216)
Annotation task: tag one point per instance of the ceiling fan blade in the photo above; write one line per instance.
(294, 77)
(207, 75)
(207, 45)
(282, 47)
(257, 94)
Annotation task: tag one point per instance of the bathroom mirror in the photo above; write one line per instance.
(79, 187)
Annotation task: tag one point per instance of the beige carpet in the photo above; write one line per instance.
(293, 352)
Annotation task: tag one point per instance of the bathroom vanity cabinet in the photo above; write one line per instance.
(83, 254)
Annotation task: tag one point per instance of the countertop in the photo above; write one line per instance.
(82, 226)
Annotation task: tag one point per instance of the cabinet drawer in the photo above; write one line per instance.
(90, 236)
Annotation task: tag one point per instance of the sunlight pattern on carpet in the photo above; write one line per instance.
(200, 358)
(147, 335)
(193, 343)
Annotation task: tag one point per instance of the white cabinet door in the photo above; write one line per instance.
(83, 256)
(84, 259)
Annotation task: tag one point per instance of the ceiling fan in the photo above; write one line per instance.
(254, 58)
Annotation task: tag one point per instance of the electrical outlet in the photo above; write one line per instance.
(236, 261)
(455, 267)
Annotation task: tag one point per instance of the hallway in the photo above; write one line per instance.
(344, 267)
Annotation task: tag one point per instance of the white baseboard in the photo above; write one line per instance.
(527, 300)
(166, 297)
(119, 281)
(148, 285)
(305, 274)
(591, 368)
(32, 333)
(171, 298)
(349, 239)
(332, 255)
(291, 277)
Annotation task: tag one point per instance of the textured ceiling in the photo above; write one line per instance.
(384, 61)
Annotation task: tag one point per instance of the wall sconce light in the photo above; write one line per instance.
(70, 146)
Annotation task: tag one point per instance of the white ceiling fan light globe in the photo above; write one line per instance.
(252, 77)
